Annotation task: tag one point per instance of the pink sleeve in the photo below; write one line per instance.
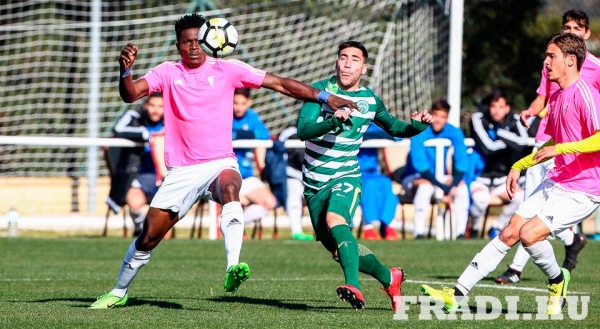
(245, 75)
(590, 105)
(156, 77)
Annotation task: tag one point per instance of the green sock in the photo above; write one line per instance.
(347, 252)
(369, 264)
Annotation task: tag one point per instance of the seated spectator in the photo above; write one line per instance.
(378, 203)
(421, 178)
(134, 182)
(295, 187)
(247, 125)
(500, 140)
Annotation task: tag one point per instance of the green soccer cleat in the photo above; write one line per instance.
(557, 293)
(302, 236)
(235, 276)
(446, 295)
(109, 300)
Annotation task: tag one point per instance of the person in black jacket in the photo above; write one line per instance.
(501, 140)
(134, 180)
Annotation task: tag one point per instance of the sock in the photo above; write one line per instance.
(567, 236)
(520, 260)
(460, 209)
(254, 212)
(367, 227)
(558, 279)
(509, 210)
(482, 264)
(369, 264)
(232, 227)
(543, 256)
(421, 203)
(481, 201)
(133, 261)
(137, 217)
(293, 204)
(347, 253)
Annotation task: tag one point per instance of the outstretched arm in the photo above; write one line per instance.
(130, 91)
(302, 91)
(309, 128)
(399, 128)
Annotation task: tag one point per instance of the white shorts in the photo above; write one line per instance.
(558, 208)
(536, 174)
(184, 186)
(250, 184)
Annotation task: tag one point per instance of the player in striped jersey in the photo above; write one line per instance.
(331, 173)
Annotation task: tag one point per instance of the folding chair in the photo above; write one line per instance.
(111, 157)
(157, 151)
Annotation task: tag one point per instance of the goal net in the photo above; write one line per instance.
(45, 63)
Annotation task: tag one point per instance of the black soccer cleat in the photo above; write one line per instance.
(572, 251)
(510, 276)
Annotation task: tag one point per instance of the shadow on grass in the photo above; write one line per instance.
(453, 277)
(281, 304)
(86, 302)
(489, 310)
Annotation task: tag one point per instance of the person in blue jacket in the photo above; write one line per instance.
(378, 201)
(247, 125)
(420, 177)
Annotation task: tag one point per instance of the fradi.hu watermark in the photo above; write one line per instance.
(490, 308)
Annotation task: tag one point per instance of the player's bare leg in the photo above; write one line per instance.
(226, 191)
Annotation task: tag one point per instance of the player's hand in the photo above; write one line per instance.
(545, 153)
(424, 116)
(336, 103)
(525, 117)
(342, 114)
(511, 182)
(128, 56)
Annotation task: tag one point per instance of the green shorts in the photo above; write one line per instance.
(340, 196)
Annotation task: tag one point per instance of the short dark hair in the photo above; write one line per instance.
(569, 44)
(578, 17)
(494, 96)
(242, 91)
(353, 44)
(155, 94)
(188, 21)
(440, 105)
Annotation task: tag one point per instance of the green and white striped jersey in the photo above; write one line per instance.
(333, 155)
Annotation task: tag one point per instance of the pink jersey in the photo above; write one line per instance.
(198, 106)
(574, 115)
(590, 72)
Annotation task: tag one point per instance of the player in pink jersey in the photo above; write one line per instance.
(576, 22)
(569, 194)
(198, 113)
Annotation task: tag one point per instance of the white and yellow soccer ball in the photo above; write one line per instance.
(218, 37)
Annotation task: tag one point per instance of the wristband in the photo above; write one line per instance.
(125, 73)
(323, 96)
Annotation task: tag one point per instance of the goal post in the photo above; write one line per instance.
(48, 82)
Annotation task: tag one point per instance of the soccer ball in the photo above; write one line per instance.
(218, 37)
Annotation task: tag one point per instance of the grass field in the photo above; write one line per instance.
(50, 282)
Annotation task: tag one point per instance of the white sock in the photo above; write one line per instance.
(421, 203)
(254, 212)
(543, 256)
(460, 209)
(137, 216)
(481, 200)
(293, 204)
(133, 261)
(232, 227)
(520, 260)
(367, 227)
(509, 210)
(567, 236)
(482, 264)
